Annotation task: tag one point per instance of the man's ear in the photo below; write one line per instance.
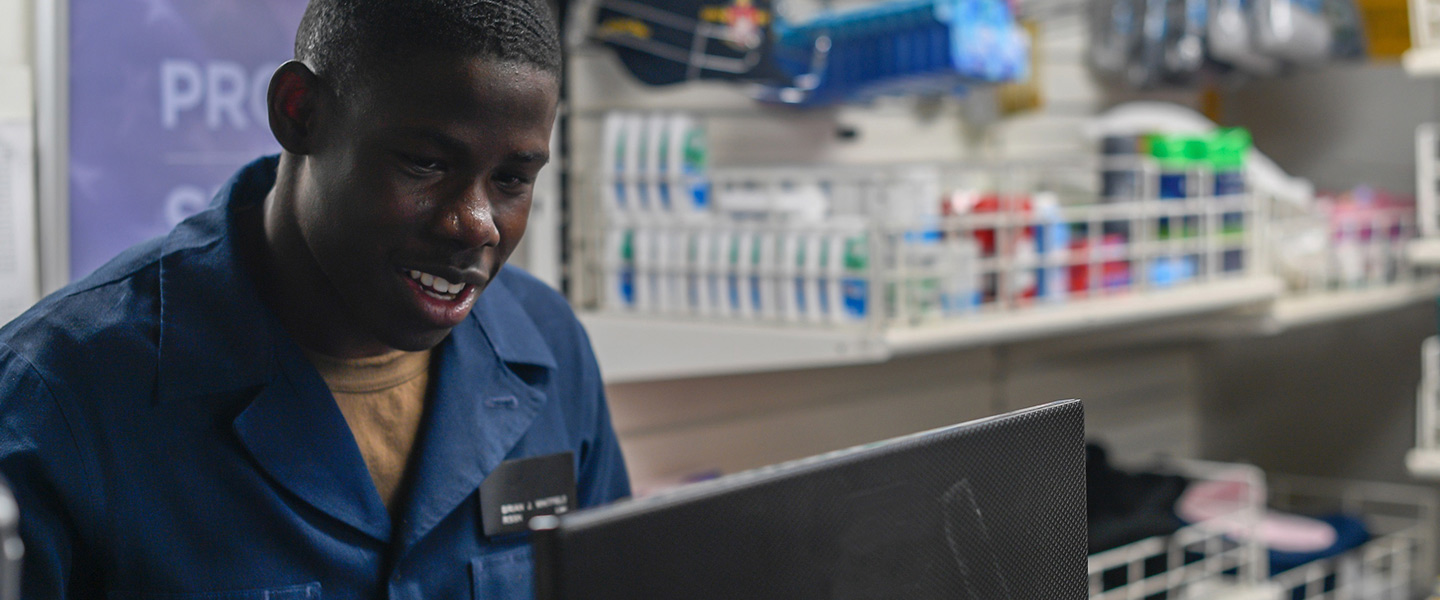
(294, 101)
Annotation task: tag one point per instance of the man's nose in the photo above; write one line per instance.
(469, 220)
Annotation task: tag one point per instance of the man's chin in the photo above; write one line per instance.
(417, 342)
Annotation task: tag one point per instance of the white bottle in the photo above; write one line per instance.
(747, 257)
(701, 280)
(680, 260)
(1348, 256)
(612, 163)
(1053, 240)
(645, 280)
(657, 158)
(767, 273)
(619, 266)
(790, 273)
(728, 243)
(817, 304)
(636, 192)
(664, 267)
(962, 283)
(687, 163)
(852, 270)
(831, 284)
(913, 205)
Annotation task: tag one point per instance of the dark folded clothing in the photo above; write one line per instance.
(1128, 507)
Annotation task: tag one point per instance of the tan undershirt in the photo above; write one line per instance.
(382, 398)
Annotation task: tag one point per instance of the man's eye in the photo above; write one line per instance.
(510, 181)
(420, 165)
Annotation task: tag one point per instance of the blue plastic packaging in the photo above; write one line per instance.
(905, 46)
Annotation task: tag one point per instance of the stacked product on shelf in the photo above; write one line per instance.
(1207, 169)
(907, 244)
(1348, 241)
(1316, 244)
(1214, 531)
(677, 242)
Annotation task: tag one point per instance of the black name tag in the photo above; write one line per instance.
(521, 489)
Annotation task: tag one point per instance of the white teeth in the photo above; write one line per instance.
(436, 286)
(432, 294)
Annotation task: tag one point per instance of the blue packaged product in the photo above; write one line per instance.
(905, 46)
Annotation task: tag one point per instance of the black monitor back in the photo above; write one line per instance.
(993, 509)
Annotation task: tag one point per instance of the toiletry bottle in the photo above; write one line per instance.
(854, 267)
(612, 163)
(637, 194)
(1053, 246)
(619, 268)
(656, 179)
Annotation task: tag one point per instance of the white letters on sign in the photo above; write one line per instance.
(220, 92)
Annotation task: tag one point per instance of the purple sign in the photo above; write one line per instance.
(167, 100)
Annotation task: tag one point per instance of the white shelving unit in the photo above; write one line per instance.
(1238, 283)
(1105, 264)
(1396, 563)
(1359, 262)
(1310, 309)
(1204, 560)
(634, 348)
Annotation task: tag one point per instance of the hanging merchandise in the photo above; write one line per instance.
(886, 48)
(665, 42)
(900, 47)
(1159, 43)
(1294, 31)
(1114, 36)
(1184, 50)
(1171, 49)
(1230, 42)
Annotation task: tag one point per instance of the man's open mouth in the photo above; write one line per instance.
(435, 286)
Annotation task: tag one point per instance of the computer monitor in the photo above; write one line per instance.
(992, 509)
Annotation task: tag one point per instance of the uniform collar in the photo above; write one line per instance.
(511, 330)
(215, 333)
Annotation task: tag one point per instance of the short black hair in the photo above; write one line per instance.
(337, 37)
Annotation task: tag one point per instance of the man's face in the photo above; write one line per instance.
(418, 188)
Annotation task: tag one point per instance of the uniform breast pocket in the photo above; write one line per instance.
(308, 591)
(506, 575)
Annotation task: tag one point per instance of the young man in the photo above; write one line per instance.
(301, 392)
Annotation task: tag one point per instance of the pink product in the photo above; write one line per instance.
(1220, 504)
(1356, 214)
